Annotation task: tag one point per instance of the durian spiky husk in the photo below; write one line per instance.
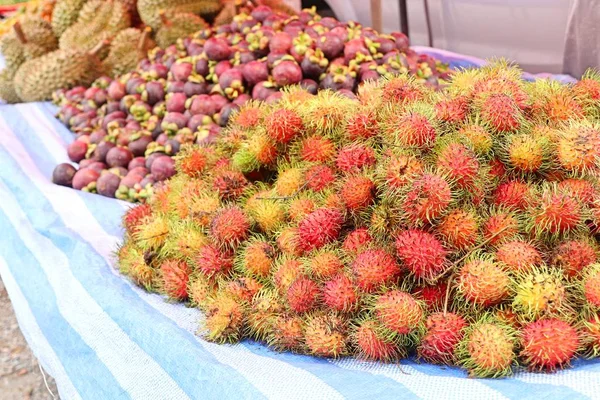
(65, 14)
(126, 50)
(150, 9)
(178, 25)
(7, 87)
(38, 36)
(98, 21)
(37, 79)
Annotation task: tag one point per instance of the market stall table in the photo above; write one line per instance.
(101, 337)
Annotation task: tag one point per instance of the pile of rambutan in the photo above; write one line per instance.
(457, 226)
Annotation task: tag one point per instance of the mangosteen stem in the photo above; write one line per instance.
(19, 32)
(457, 262)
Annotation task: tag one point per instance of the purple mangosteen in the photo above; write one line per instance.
(63, 174)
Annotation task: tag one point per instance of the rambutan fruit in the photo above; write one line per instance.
(483, 282)
(339, 294)
(434, 296)
(458, 163)
(320, 227)
(324, 263)
(587, 90)
(256, 258)
(202, 209)
(500, 112)
(477, 138)
(192, 162)
(362, 126)
(152, 233)
(452, 110)
(412, 128)
(287, 333)
(372, 345)
(319, 177)
(527, 153)
(487, 349)
(283, 125)
(354, 157)
(200, 290)
(519, 256)
(230, 226)
(426, 198)
(399, 312)
(288, 242)
(185, 239)
(268, 213)
(225, 319)
(242, 289)
(582, 189)
(459, 228)
(444, 331)
(548, 344)
(249, 116)
(134, 216)
(264, 309)
(174, 277)
(133, 264)
(383, 218)
(540, 292)
(512, 195)
(500, 226)
(554, 213)
(211, 260)
(302, 295)
(397, 170)
(421, 253)
(578, 147)
(402, 89)
(286, 272)
(590, 283)
(357, 192)
(572, 256)
(300, 207)
(316, 149)
(229, 184)
(374, 268)
(289, 181)
(497, 169)
(325, 335)
(327, 112)
(255, 152)
(590, 334)
(357, 240)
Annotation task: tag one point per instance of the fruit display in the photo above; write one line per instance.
(82, 25)
(455, 225)
(187, 92)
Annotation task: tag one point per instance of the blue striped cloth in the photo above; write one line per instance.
(101, 337)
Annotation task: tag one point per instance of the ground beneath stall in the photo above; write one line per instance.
(20, 373)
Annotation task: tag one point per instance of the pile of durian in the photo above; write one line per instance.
(86, 39)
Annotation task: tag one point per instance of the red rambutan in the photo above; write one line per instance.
(193, 163)
(257, 258)
(287, 334)
(325, 336)
(324, 264)
(229, 184)
(411, 129)
(501, 112)
(581, 189)
(372, 345)
(302, 295)
(175, 275)
(434, 296)
(421, 253)
(319, 177)
(400, 169)
(230, 226)
(483, 282)
(399, 312)
(452, 110)
(225, 319)
(444, 333)
(288, 270)
(134, 216)
(362, 125)
(572, 256)
(320, 227)
(458, 163)
(555, 213)
(357, 192)
(339, 294)
(357, 240)
(459, 228)
(248, 117)
(427, 198)
(299, 208)
(518, 256)
(354, 157)
(374, 268)
(578, 148)
(512, 195)
(210, 260)
(499, 227)
(283, 125)
(317, 149)
(400, 89)
(479, 139)
(591, 286)
(243, 288)
(548, 344)
(289, 242)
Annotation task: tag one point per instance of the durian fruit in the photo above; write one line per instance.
(37, 79)
(150, 9)
(30, 37)
(98, 21)
(127, 49)
(65, 14)
(7, 87)
(178, 25)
